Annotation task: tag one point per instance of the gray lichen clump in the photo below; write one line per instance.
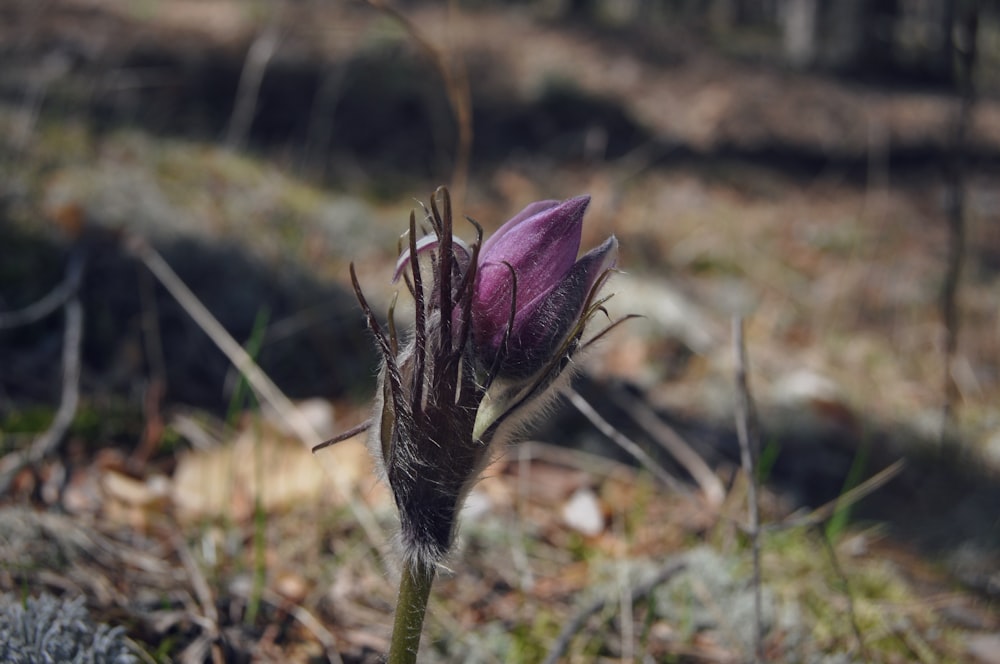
(49, 629)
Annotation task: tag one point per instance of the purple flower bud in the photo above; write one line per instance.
(532, 258)
(494, 325)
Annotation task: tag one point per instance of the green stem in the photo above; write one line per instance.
(411, 606)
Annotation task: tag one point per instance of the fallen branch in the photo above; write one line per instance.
(63, 294)
(47, 443)
(624, 442)
(671, 441)
(264, 387)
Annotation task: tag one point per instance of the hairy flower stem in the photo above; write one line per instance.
(411, 606)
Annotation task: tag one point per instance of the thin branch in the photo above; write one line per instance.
(309, 621)
(152, 431)
(313, 624)
(671, 441)
(965, 27)
(255, 376)
(47, 443)
(320, 127)
(202, 591)
(48, 72)
(747, 434)
(72, 342)
(224, 341)
(624, 442)
(258, 56)
(56, 298)
(456, 85)
(639, 592)
(206, 616)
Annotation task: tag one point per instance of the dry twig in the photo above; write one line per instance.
(966, 25)
(156, 388)
(671, 441)
(456, 85)
(306, 619)
(747, 434)
(56, 298)
(264, 387)
(46, 443)
(202, 591)
(207, 617)
(624, 442)
(258, 56)
(638, 592)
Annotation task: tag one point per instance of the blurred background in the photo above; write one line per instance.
(828, 171)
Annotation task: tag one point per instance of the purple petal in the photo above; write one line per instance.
(541, 326)
(529, 211)
(541, 248)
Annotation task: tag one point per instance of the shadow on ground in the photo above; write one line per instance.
(944, 502)
(315, 345)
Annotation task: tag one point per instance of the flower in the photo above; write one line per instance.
(529, 266)
(495, 326)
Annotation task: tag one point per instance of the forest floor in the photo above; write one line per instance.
(181, 504)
